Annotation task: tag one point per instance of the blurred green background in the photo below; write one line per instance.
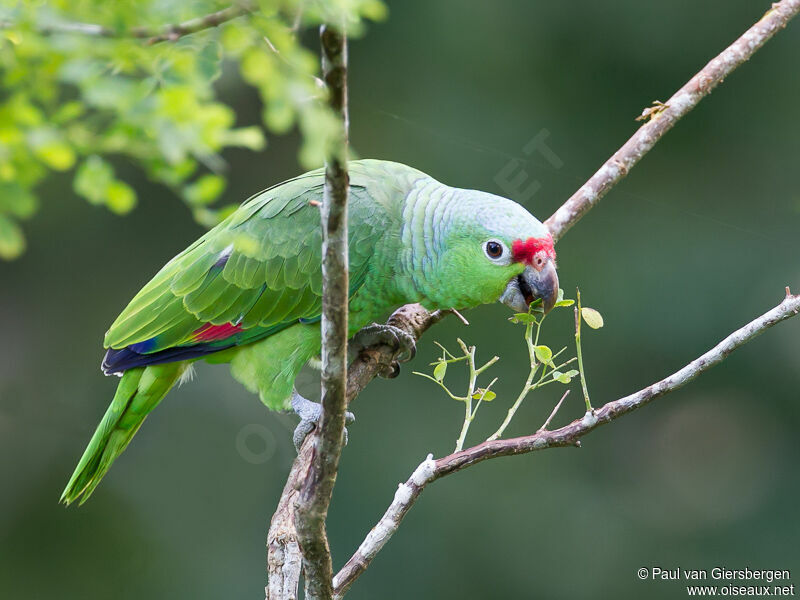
(700, 238)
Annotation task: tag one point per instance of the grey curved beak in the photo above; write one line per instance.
(532, 285)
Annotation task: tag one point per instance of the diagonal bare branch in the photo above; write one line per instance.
(662, 116)
(569, 435)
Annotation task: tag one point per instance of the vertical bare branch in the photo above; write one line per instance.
(316, 489)
(283, 550)
(662, 116)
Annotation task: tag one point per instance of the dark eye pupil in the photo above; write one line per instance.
(494, 249)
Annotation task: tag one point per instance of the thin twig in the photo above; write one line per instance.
(460, 316)
(662, 120)
(171, 33)
(578, 318)
(555, 411)
(473, 378)
(473, 392)
(526, 389)
(153, 35)
(569, 435)
(317, 487)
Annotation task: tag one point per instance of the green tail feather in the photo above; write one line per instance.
(139, 391)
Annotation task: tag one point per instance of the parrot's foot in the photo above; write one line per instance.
(310, 414)
(405, 348)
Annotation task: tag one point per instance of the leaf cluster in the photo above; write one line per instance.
(546, 367)
(81, 102)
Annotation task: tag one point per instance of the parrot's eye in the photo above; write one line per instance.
(493, 249)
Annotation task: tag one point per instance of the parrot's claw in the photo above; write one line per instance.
(404, 345)
(392, 371)
(310, 414)
(405, 348)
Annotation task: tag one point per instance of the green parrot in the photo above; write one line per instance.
(248, 292)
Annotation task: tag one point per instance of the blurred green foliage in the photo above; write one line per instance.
(83, 81)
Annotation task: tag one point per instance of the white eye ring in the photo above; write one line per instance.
(496, 251)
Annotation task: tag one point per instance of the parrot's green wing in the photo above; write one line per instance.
(256, 273)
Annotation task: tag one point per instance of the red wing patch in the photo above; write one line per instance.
(213, 333)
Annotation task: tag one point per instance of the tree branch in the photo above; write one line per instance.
(415, 320)
(662, 117)
(171, 33)
(317, 486)
(283, 550)
(153, 35)
(569, 435)
(284, 558)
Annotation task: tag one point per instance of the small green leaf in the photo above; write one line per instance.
(12, 241)
(227, 210)
(52, 150)
(257, 66)
(593, 318)
(488, 395)
(17, 200)
(235, 39)
(68, 112)
(120, 197)
(564, 303)
(114, 93)
(374, 10)
(439, 371)
(523, 318)
(564, 377)
(209, 63)
(279, 117)
(207, 217)
(172, 174)
(204, 191)
(95, 181)
(246, 137)
(543, 354)
(93, 178)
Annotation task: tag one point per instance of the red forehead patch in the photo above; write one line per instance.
(524, 251)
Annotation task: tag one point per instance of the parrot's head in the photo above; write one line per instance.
(495, 250)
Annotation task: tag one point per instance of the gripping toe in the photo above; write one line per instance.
(310, 414)
(372, 335)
